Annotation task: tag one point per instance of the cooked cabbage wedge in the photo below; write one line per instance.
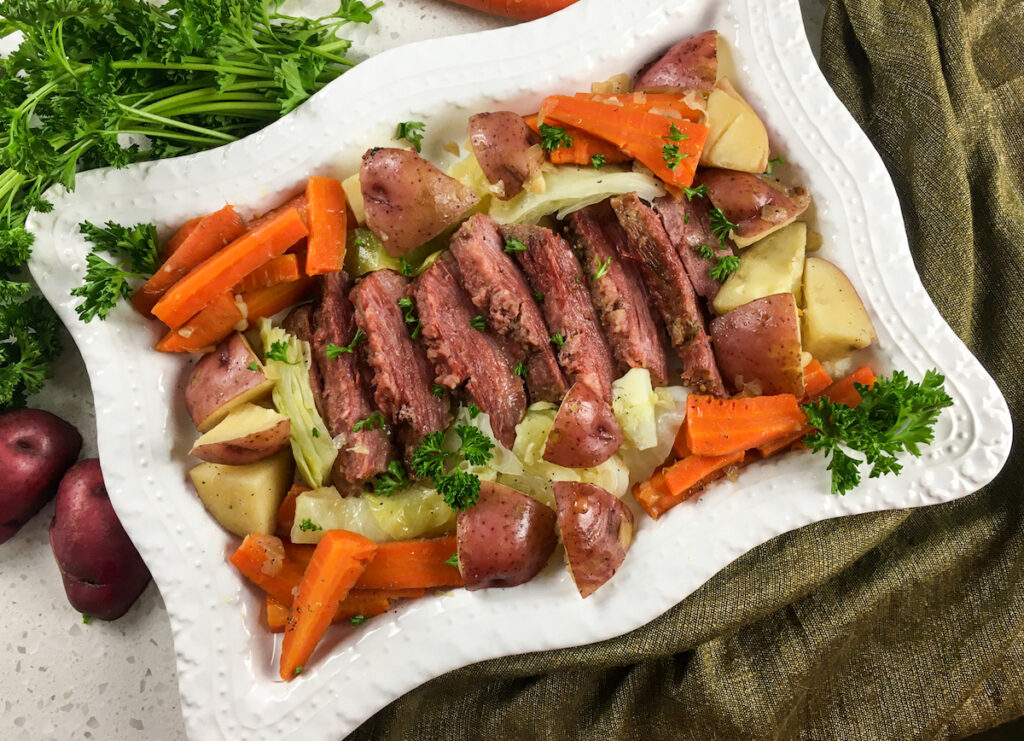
(324, 509)
(417, 511)
(366, 253)
(633, 402)
(568, 188)
(312, 445)
(669, 411)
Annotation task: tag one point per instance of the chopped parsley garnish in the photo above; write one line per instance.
(554, 137)
(394, 477)
(307, 525)
(334, 352)
(88, 618)
(699, 192)
(726, 266)
(686, 218)
(438, 390)
(772, 162)
(373, 422)
(895, 415)
(704, 251)
(474, 410)
(136, 257)
(412, 132)
(672, 156)
(478, 322)
(720, 224)
(253, 366)
(598, 160)
(407, 267)
(410, 317)
(520, 370)
(297, 671)
(514, 245)
(357, 619)
(459, 489)
(602, 268)
(453, 561)
(557, 339)
(675, 135)
(315, 432)
(279, 351)
(539, 295)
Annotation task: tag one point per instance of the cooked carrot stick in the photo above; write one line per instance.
(368, 603)
(221, 317)
(223, 271)
(816, 379)
(521, 10)
(662, 103)
(265, 302)
(682, 480)
(583, 148)
(669, 147)
(725, 426)
(411, 564)
(679, 446)
(340, 557)
(286, 513)
(262, 560)
(210, 235)
(299, 203)
(283, 269)
(327, 219)
(179, 236)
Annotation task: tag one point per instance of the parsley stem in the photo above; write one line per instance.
(136, 113)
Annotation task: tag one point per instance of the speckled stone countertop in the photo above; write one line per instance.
(61, 679)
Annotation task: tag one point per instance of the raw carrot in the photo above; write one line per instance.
(584, 146)
(340, 557)
(298, 202)
(327, 218)
(283, 269)
(221, 317)
(816, 379)
(368, 603)
(210, 234)
(725, 426)
(412, 564)
(265, 302)
(226, 268)
(179, 236)
(645, 136)
(683, 479)
(286, 512)
(263, 561)
(669, 104)
(521, 10)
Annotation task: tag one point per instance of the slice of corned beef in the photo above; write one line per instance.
(688, 225)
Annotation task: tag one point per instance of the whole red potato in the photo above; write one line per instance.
(36, 448)
(103, 573)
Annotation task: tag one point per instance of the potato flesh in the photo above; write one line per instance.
(250, 431)
(245, 499)
(354, 195)
(835, 322)
(773, 265)
(737, 138)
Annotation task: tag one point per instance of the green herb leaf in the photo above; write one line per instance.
(453, 561)
(598, 161)
(557, 340)
(474, 410)
(86, 618)
(553, 137)
(373, 422)
(520, 370)
(333, 352)
(411, 320)
(307, 526)
(394, 477)
(357, 619)
(704, 251)
(475, 447)
(279, 351)
(675, 135)
(253, 366)
(514, 245)
(478, 322)
(438, 390)
(412, 132)
(772, 162)
(137, 257)
(407, 267)
(429, 456)
(699, 192)
(672, 156)
(459, 489)
(726, 266)
(602, 268)
(538, 295)
(720, 225)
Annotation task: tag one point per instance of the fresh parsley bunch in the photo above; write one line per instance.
(98, 83)
(895, 415)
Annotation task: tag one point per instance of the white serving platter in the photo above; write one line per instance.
(226, 668)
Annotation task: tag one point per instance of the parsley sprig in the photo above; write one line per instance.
(333, 352)
(459, 489)
(412, 132)
(136, 256)
(895, 415)
(554, 137)
(394, 477)
(726, 266)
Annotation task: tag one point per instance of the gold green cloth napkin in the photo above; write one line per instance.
(894, 625)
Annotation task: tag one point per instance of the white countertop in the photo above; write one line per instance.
(61, 679)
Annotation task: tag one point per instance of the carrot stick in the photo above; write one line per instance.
(265, 302)
(286, 513)
(172, 244)
(662, 103)
(412, 564)
(369, 603)
(262, 560)
(340, 557)
(283, 269)
(221, 317)
(299, 203)
(226, 268)
(209, 235)
(816, 379)
(640, 134)
(327, 217)
(725, 426)
(584, 146)
(522, 10)
(682, 480)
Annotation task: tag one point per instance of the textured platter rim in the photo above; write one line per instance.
(226, 690)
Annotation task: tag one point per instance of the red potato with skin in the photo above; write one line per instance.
(508, 150)
(757, 205)
(36, 448)
(692, 64)
(505, 539)
(103, 573)
(223, 380)
(597, 530)
(409, 201)
(760, 342)
(585, 432)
